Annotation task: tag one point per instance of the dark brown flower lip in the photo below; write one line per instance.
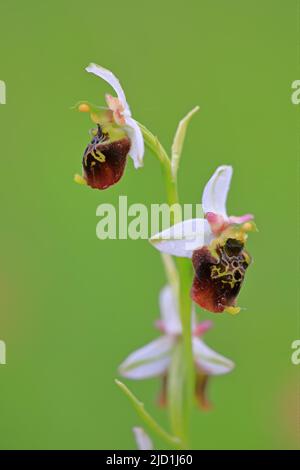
(201, 391)
(219, 276)
(201, 384)
(104, 161)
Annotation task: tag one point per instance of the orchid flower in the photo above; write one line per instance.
(216, 245)
(154, 359)
(117, 135)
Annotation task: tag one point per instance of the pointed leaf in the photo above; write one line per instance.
(179, 140)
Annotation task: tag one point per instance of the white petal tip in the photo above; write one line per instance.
(137, 163)
(142, 439)
(92, 68)
(216, 190)
(110, 78)
(209, 361)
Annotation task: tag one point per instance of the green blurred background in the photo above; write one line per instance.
(73, 307)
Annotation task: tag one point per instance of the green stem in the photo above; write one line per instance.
(147, 418)
(159, 152)
(181, 375)
(175, 393)
(185, 307)
(171, 188)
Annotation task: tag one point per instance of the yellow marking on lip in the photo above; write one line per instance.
(232, 310)
(79, 180)
(97, 155)
(216, 273)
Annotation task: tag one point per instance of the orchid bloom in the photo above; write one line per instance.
(117, 135)
(154, 359)
(216, 245)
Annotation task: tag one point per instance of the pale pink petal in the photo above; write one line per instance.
(217, 222)
(240, 219)
(202, 327)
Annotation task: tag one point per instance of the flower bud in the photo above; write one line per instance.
(84, 108)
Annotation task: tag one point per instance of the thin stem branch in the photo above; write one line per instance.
(160, 153)
(147, 418)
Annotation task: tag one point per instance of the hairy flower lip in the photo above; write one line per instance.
(219, 274)
(104, 160)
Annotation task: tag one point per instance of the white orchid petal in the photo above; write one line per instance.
(210, 361)
(137, 148)
(151, 360)
(110, 78)
(142, 439)
(169, 311)
(216, 190)
(183, 238)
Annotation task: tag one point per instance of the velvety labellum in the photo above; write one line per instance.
(219, 275)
